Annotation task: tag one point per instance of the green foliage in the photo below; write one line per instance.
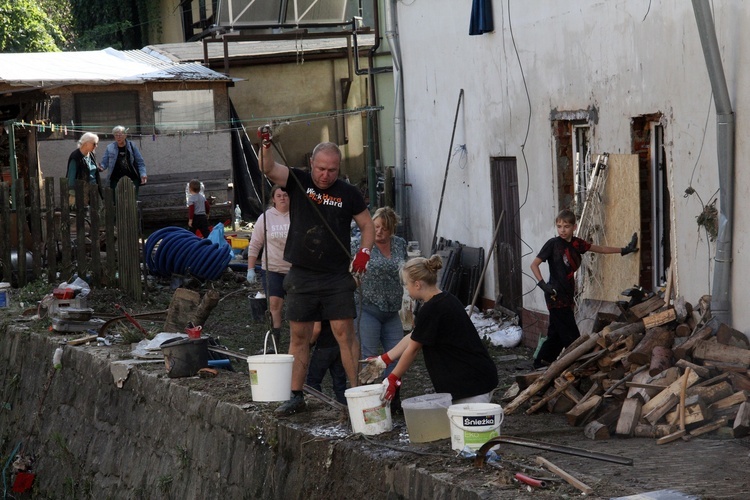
(25, 27)
(121, 24)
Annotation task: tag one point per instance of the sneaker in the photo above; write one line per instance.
(295, 405)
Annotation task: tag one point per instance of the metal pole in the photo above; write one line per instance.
(448, 164)
(487, 261)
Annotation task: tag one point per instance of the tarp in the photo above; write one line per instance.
(481, 17)
(250, 186)
(98, 67)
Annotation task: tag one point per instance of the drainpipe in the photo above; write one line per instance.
(721, 293)
(399, 141)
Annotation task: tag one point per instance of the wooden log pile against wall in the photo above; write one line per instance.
(668, 374)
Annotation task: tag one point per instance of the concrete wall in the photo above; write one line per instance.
(157, 438)
(299, 91)
(624, 58)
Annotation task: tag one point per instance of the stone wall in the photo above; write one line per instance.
(155, 438)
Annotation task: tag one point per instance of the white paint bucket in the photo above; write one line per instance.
(270, 374)
(4, 294)
(427, 417)
(473, 424)
(367, 413)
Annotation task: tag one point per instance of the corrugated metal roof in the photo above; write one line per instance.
(53, 69)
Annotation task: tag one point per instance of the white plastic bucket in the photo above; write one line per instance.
(4, 295)
(473, 424)
(427, 417)
(367, 413)
(270, 375)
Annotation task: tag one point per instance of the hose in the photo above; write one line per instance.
(174, 250)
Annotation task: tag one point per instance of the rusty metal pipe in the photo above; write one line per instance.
(482, 453)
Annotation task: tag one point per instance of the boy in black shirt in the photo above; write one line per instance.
(563, 256)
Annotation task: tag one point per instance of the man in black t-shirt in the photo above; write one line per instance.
(123, 159)
(319, 284)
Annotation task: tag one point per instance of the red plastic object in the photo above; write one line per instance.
(194, 332)
(23, 482)
(530, 480)
(63, 293)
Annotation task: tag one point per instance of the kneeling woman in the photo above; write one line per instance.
(456, 358)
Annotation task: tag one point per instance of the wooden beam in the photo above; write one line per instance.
(576, 483)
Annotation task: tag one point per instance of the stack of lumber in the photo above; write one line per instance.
(666, 372)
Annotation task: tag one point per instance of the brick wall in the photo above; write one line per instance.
(534, 326)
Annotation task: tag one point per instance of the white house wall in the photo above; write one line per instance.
(622, 58)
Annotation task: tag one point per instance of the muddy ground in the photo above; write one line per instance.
(679, 466)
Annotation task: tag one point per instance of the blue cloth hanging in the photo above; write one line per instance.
(481, 17)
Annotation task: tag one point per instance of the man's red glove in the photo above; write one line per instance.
(265, 135)
(360, 261)
(390, 385)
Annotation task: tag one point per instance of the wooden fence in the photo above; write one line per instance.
(62, 235)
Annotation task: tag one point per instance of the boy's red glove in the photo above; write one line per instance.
(390, 385)
(360, 261)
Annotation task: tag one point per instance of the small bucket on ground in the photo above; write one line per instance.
(4, 294)
(258, 308)
(427, 417)
(473, 424)
(270, 374)
(367, 413)
(184, 357)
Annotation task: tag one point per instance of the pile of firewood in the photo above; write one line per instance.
(666, 372)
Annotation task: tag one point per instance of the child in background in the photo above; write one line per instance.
(563, 256)
(326, 357)
(198, 209)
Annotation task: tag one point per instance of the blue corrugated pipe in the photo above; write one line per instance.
(174, 250)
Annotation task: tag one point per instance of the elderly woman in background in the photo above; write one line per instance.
(82, 165)
(380, 327)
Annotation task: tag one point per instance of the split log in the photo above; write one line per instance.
(696, 410)
(740, 382)
(661, 359)
(583, 412)
(680, 309)
(683, 330)
(673, 388)
(181, 308)
(729, 336)
(686, 348)
(629, 416)
(712, 381)
(553, 370)
(547, 397)
(659, 319)
(704, 305)
(603, 425)
(209, 301)
(655, 415)
(648, 306)
(524, 380)
(712, 393)
(705, 429)
(700, 370)
(708, 350)
(596, 431)
(637, 386)
(735, 399)
(725, 367)
(742, 421)
(641, 355)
